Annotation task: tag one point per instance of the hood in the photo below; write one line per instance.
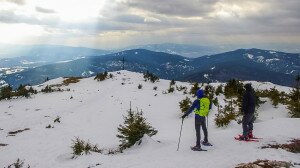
(200, 93)
(248, 87)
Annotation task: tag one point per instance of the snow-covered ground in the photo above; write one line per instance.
(96, 110)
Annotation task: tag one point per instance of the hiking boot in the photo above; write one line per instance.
(250, 135)
(196, 148)
(206, 143)
(244, 138)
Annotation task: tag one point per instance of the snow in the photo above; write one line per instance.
(25, 62)
(250, 56)
(212, 68)
(272, 60)
(97, 109)
(260, 59)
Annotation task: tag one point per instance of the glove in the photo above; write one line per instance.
(183, 116)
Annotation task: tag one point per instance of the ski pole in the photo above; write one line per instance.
(180, 135)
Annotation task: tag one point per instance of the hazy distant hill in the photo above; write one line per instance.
(37, 55)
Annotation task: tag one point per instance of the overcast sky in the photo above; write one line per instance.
(106, 24)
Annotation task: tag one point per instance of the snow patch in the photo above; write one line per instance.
(187, 60)
(260, 58)
(25, 62)
(212, 68)
(272, 60)
(250, 56)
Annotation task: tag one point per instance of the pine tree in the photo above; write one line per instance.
(233, 88)
(219, 90)
(209, 92)
(22, 91)
(274, 96)
(294, 102)
(6, 92)
(151, 77)
(185, 104)
(194, 89)
(134, 128)
(101, 76)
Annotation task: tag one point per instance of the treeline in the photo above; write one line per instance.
(7, 92)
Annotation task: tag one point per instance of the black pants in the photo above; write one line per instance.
(200, 121)
(247, 122)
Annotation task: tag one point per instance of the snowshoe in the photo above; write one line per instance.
(206, 143)
(197, 148)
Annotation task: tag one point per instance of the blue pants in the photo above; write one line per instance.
(247, 122)
(200, 121)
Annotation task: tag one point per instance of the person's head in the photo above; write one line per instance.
(200, 93)
(248, 87)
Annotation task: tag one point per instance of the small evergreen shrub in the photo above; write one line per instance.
(219, 90)
(22, 91)
(209, 92)
(47, 89)
(81, 147)
(194, 89)
(140, 86)
(233, 88)
(171, 89)
(57, 119)
(18, 164)
(226, 114)
(185, 104)
(6, 92)
(134, 128)
(155, 88)
(172, 82)
(294, 100)
(181, 88)
(101, 76)
(49, 126)
(151, 77)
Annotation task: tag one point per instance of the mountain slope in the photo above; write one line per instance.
(96, 110)
(246, 64)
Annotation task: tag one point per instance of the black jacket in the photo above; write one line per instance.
(248, 104)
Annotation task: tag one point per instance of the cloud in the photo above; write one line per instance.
(44, 10)
(187, 8)
(184, 21)
(10, 16)
(18, 2)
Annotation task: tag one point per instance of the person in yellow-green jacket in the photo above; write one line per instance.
(201, 107)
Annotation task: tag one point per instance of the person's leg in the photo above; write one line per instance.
(203, 124)
(245, 125)
(197, 128)
(250, 125)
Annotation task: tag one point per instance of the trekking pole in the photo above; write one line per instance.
(180, 135)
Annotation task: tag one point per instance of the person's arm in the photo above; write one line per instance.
(194, 105)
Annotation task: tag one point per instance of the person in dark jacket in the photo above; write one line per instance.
(201, 108)
(248, 108)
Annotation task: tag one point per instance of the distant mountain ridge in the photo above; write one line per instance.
(186, 50)
(38, 55)
(245, 64)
